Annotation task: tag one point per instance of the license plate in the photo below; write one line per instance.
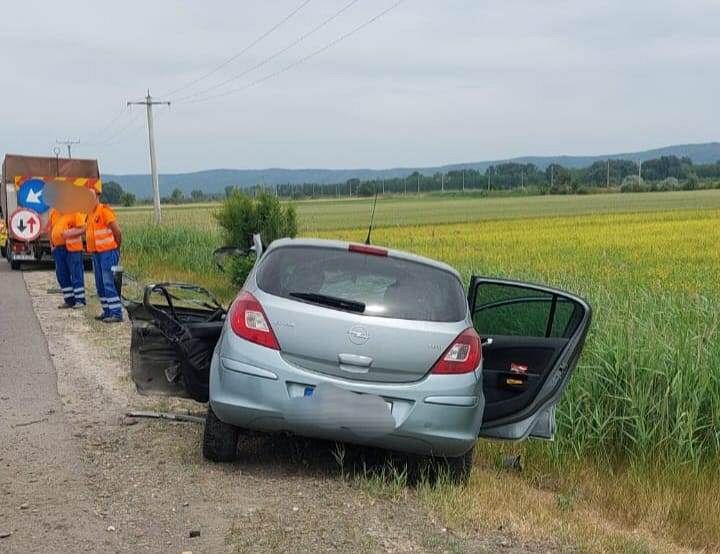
(309, 391)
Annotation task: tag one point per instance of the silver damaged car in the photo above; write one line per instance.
(361, 344)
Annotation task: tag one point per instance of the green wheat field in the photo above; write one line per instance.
(639, 427)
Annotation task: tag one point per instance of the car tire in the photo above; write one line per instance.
(458, 469)
(220, 440)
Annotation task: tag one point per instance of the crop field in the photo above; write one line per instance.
(639, 427)
(317, 215)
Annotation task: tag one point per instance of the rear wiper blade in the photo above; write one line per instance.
(332, 301)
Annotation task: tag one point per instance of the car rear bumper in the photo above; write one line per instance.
(255, 388)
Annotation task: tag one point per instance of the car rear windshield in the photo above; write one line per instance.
(380, 286)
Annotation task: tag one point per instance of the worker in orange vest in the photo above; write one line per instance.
(67, 250)
(103, 238)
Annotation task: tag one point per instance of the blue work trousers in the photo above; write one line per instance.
(62, 272)
(105, 284)
(70, 275)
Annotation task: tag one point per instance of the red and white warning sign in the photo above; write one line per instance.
(25, 224)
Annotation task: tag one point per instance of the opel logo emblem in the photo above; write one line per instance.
(358, 335)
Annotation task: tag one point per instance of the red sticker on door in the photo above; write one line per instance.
(520, 369)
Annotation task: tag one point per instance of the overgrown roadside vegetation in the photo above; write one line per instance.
(639, 429)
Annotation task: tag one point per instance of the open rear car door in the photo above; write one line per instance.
(532, 337)
(175, 328)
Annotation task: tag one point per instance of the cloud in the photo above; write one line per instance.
(431, 82)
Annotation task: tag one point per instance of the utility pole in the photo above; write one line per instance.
(463, 185)
(522, 179)
(639, 171)
(68, 143)
(442, 182)
(489, 174)
(149, 103)
(383, 193)
(608, 174)
(418, 183)
(552, 175)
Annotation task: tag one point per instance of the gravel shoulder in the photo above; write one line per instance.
(141, 485)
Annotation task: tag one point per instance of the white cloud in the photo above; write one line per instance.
(431, 82)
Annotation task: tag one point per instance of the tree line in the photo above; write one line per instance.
(664, 173)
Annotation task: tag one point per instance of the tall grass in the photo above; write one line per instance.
(180, 247)
(647, 390)
(642, 413)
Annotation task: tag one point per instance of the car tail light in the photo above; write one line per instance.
(248, 321)
(462, 356)
(367, 249)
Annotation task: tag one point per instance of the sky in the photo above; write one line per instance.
(430, 82)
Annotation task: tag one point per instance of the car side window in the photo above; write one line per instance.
(510, 310)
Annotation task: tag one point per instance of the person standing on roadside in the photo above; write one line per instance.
(67, 250)
(103, 239)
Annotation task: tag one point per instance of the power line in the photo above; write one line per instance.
(69, 143)
(111, 139)
(243, 51)
(301, 60)
(134, 129)
(95, 136)
(270, 58)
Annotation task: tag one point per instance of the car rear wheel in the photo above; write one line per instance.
(219, 439)
(458, 469)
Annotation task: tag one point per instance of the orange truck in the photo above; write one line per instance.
(24, 233)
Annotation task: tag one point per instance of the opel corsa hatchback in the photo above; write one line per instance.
(365, 345)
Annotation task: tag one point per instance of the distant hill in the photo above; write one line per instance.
(215, 180)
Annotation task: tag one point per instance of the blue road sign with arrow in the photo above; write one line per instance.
(30, 195)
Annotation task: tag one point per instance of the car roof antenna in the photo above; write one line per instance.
(372, 218)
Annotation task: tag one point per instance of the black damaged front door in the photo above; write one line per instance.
(174, 332)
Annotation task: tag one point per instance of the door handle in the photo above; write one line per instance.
(486, 341)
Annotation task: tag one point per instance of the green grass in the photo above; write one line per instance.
(318, 215)
(641, 418)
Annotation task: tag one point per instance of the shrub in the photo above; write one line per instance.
(671, 183)
(692, 182)
(127, 199)
(241, 216)
(632, 183)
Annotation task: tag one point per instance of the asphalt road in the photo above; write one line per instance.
(44, 500)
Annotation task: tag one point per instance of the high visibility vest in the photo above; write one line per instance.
(74, 244)
(100, 237)
(59, 223)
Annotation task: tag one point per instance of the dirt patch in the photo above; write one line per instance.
(155, 492)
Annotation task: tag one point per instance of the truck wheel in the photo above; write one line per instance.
(14, 264)
(3, 251)
(219, 439)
